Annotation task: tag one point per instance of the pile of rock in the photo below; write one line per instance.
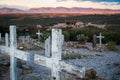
(67, 51)
(36, 45)
(77, 45)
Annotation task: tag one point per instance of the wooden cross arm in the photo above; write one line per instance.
(4, 50)
(42, 60)
(22, 55)
(100, 37)
(75, 70)
(61, 66)
(17, 53)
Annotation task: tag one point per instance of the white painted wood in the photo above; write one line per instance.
(79, 71)
(100, 39)
(60, 44)
(42, 60)
(5, 50)
(47, 47)
(60, 66)
(17, 53)
(13, 60)
(6, 40)
(38, 33)
(56, 43)
(54, 62)
(22, 55)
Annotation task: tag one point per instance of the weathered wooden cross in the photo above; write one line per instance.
(13, 52)
(47, 47)
(6, 40)
(54, 62)
(38, 33)
(100, 39)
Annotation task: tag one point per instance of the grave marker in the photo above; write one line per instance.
(47, 47)
(100, 39)
(38, 33)
(54, 62)
(6, 40)
(13, 60)
(14, 53)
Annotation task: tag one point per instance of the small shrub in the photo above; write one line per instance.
(72, 56)
(111, 45)
(82, 38)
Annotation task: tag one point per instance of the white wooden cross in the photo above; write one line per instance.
(54, 62)
(14, 53)
(6, 40)
(47, 47)
(100, 39)
(38, 33)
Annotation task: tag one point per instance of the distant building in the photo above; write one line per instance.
(39, 26)
(74, 23)
(71, 22)
(101, 26)
(60, 25)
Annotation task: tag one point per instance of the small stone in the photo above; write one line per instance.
(21, 47)
(26, 67)
(90, 74)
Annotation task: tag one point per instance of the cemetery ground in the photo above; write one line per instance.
(103, 65)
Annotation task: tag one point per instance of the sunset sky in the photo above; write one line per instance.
(26, 4)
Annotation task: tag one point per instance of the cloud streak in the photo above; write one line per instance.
(14, 6)
(109, 3)
(92, 0)
(25, 4)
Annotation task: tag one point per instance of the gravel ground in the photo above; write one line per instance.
(107, 64)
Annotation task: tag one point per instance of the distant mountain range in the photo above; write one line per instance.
(80, 10)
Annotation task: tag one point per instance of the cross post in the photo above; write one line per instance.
(6, 40)
(13, 60)
(47, 47)
(56, 53)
